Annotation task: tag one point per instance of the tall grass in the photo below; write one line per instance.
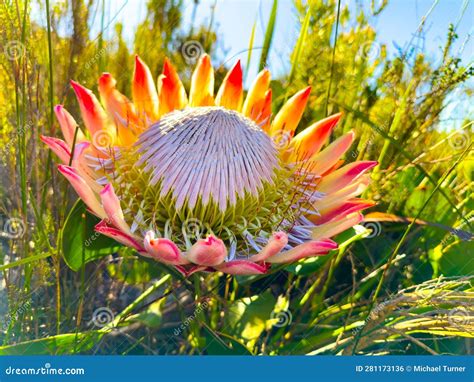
(403, 286)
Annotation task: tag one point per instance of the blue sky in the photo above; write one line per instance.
(233, 21)
(395, 27)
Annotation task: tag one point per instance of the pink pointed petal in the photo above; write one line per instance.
(255, 99)
(263, 119)
(275, 244)
(230, 94)
(120, 110)
(80, 164)
(171, 92)
(334, 167)
(290, 114)
(119, 236)
(83, 190)
(339, 196)
(346, 208)
(202, 83)
(210, 251)
(111, 204)
(242, 267)
(145, 95)
(344, 176)
(309, 249)
(163, 250)
(68, 126)
(92, 112)
(310, 140)
(79, 151)
(59, 147)
(334, 228)
(327, 158)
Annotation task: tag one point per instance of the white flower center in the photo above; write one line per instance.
(207, 153)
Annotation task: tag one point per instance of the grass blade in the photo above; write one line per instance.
(402, 240)
(251, 43)
(408, 156)
(267, 42)
(299, 46)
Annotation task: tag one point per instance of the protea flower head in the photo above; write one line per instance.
(209, 183)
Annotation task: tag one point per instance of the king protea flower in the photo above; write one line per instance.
(208, 182)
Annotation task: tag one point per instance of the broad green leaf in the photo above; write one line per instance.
(457, 259)
(308, 266)
(135, 270)
(80, 243)
(248, 317)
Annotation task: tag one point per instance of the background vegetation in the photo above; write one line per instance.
(403, 284)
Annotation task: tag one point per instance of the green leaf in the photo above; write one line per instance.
(25, 260)
(60, 344)
(218, 343)
(151, 317)
(251, 42)
(457, 258)
(299, 46)
(247, 317)
(135, 270)
(80, 243)
(267, 42)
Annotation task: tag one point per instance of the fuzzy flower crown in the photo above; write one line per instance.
(209, 183)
